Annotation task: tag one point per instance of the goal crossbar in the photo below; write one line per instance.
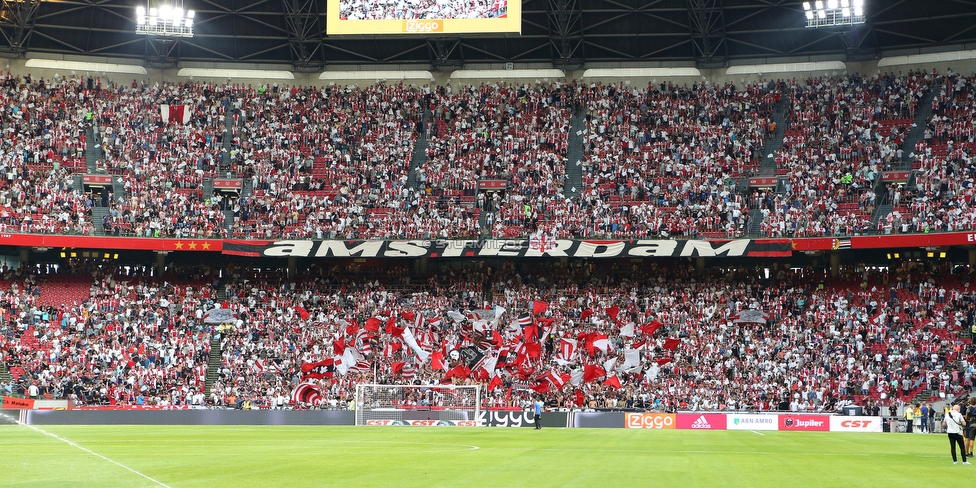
(378, 404)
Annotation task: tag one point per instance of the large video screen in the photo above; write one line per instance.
(351, 17)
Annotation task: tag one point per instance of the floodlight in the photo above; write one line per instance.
(830, 13)
(164, 20)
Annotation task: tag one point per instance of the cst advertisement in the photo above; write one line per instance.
(423, 17)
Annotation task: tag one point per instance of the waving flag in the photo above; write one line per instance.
(306, 393)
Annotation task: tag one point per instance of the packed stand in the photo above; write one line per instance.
(133, 340)
(843, 132)
(941, 198)
(609, 336)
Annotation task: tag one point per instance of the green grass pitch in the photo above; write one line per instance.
(217, 456)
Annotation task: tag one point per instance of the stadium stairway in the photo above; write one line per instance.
(5, 376)
(229, 221)
(225, 163)
(213, 363)
(93, 149)
(755, 226)
(574, 156)
(419, 156)
(78, 183)
(767, 167)
(207, 188)
(118, 189)
(98, 214)
(248, 188)
(917, 131)
(880, 212)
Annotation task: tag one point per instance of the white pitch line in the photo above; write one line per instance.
(89, 451)
(757, 433)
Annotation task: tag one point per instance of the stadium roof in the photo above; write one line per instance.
(562, 33)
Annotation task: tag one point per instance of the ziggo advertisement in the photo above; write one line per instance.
(722, 421)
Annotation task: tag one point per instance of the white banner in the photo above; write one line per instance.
(738, 421)
(841, 423)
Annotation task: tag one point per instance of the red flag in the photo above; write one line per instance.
(496, 339)
(530, 334)
(373, 325)
(495, 382)
(539, 306)
(392, 329)
(671, 344)
(352, 329)
(533, 350)
(650, 328)
(613, 312)
(556, 380)
(408, 315)
(396, 366)
(612, 381)
(391, 348)
(302, 313)
(542, 387)
(338, 347)
(663, 361)
(437, 360)
(459, 371)
(584, 314)
(592, 372)
(579, 399)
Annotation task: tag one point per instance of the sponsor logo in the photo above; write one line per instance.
(505, 418)
(804, 422)
(423, 26)
(840, 423)
(701, 423)
(752, 422)
(650, 421)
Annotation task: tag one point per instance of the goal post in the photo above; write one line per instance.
(418, 405)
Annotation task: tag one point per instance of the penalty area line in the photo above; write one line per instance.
(757, 433)
(93, 453)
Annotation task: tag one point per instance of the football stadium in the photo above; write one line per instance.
(487, 243)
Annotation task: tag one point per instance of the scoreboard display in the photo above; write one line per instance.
(423, 17)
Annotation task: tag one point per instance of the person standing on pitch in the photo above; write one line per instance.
(537, 409)
(954, 422)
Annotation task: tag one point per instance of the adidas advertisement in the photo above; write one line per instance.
(700, 421)
(751, 422)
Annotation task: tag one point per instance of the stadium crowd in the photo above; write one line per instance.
(335, 162)
(421, 9)
(604, 336)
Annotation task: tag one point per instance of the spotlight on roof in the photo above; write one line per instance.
(831, 13)
(164, 20)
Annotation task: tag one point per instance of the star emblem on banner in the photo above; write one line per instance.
(192, 245)
(178, 245)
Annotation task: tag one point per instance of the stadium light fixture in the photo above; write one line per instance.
(832, 13)
(164, 20)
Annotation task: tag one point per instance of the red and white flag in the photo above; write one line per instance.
(175, 114)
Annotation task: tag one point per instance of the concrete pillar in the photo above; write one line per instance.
(700, 265)
(24, 257)
(292, 266)
(834, 264)
(972, 258)
(422, 266)
(160, 263)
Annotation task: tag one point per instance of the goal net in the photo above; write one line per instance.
(418, 405)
